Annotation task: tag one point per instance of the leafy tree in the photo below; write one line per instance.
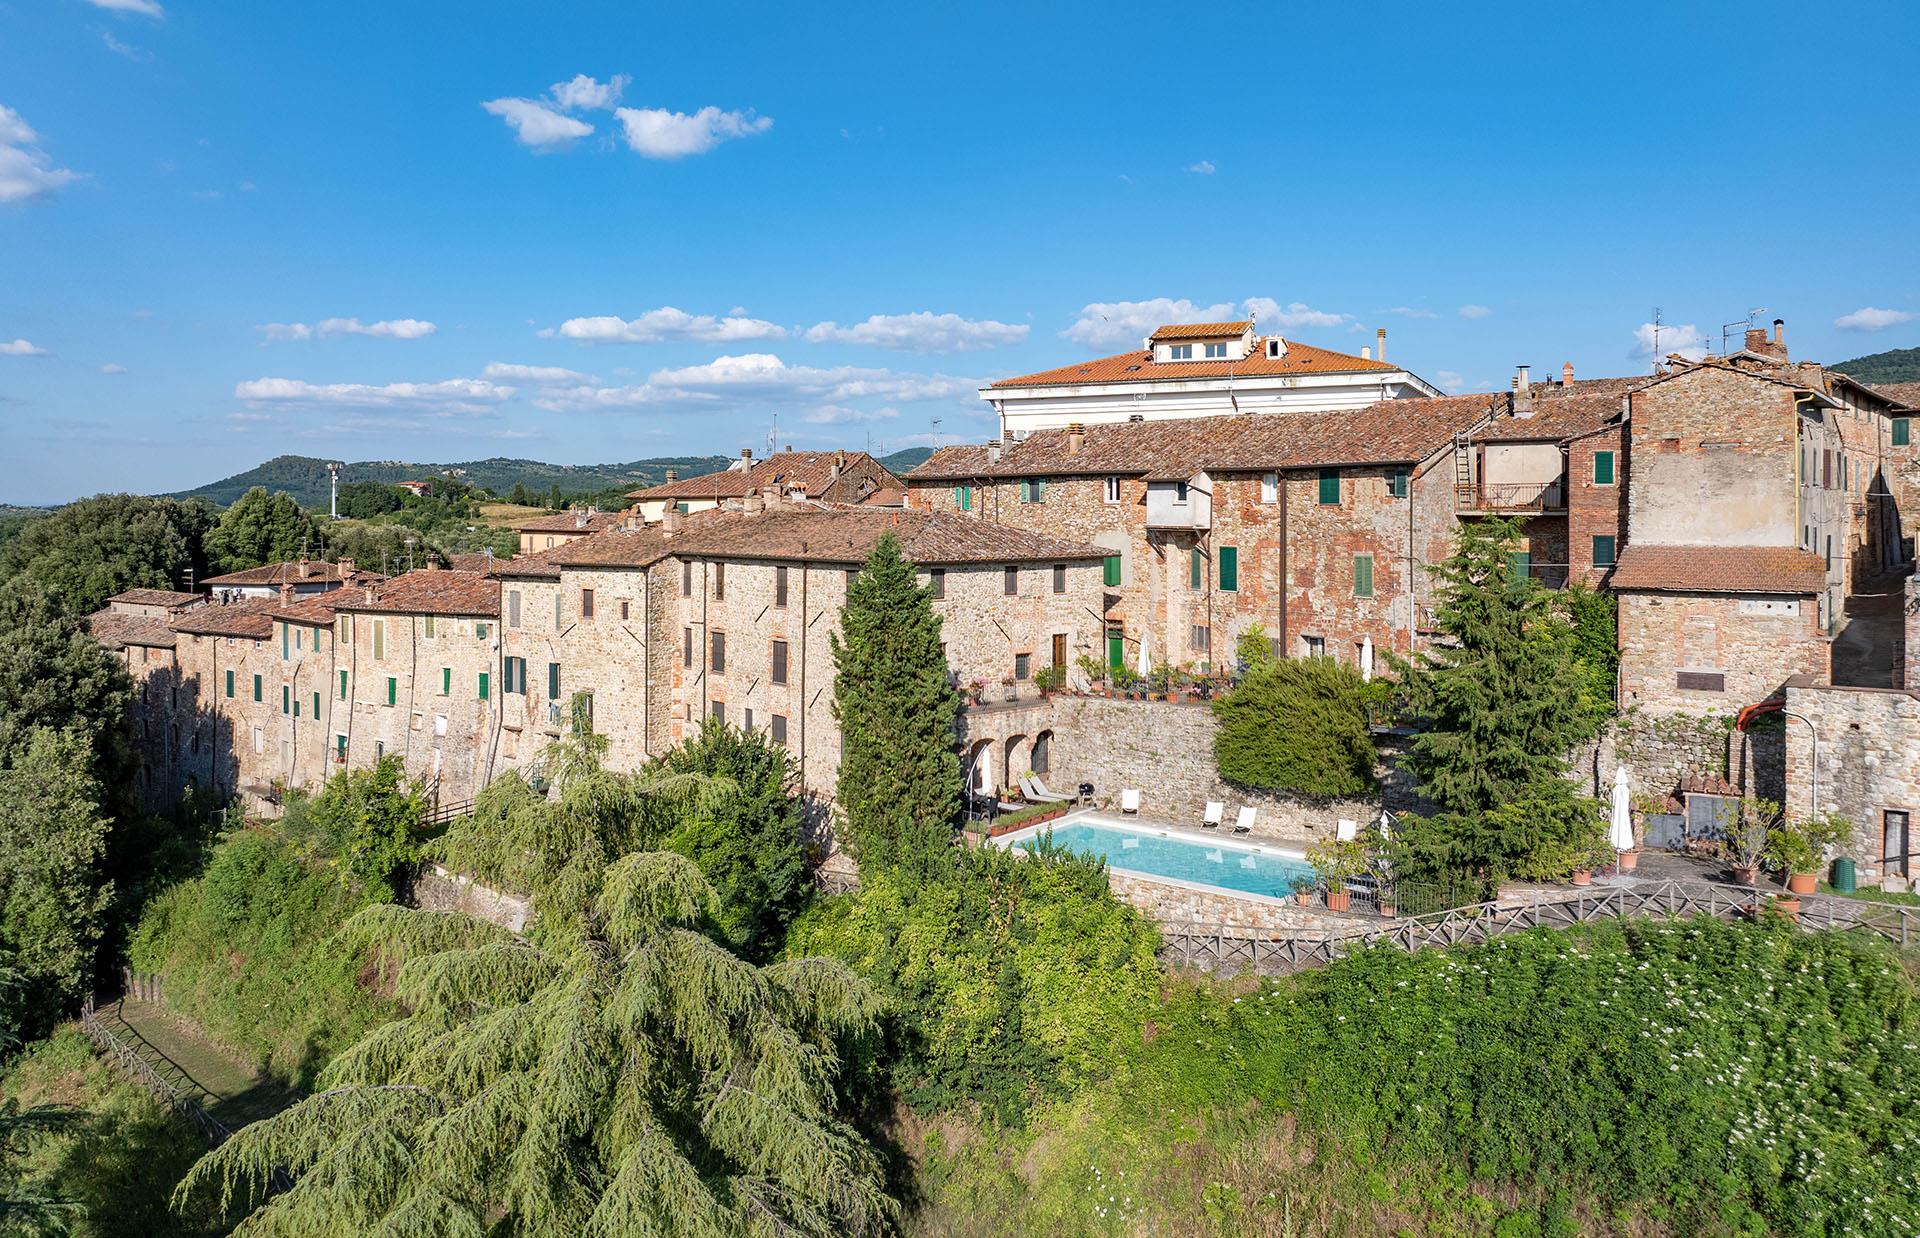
(555, 501)
(1296, 725)
(1499, 699)
(361, 499)
(1596, 651)
(747, 844)
(520, 496)
(54, 892)
(262, 528)
(368, 819)
(55, 676)
(88, 551)
(897, 708)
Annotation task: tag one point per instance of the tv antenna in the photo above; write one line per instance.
(936, 433)
(1656, 339)
(1746, 325)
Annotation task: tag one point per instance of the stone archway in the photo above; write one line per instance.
(980, 767)
(1040, 755)
(1013, 761)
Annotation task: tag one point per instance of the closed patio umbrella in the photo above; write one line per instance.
(1620, 830)
(1366, 659)
(1143, 657)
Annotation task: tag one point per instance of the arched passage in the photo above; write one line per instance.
(1013, 761)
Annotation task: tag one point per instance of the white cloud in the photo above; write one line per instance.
(25, 170)
(1682, 338)
(762, 378)
(660, 134)
(536, 125)
(450, 396)
(584, 92)
(1408, 311)
(1867, 318)
(20, 348)
(1203, 168)
(122, 49)
(1115, 324)
(840, 414)
(113, 367)
(542, 374)
(145, 8)
(1473, 311)
(1270, 314)
(391, 329)
(1450, 382)
(920, 332)
(667, 323)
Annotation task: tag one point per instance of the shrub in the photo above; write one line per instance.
(1297, 725)
(366, 819)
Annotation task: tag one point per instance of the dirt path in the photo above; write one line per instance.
(228, 1089)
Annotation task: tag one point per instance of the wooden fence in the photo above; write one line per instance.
(138, 1069)
(1217, 948)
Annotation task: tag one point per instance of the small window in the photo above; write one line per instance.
(1315, 646)
(1196, 569)
(256, 688)
(1033, 490)
(1041, 756)
(963, 498)
(1330, 487)
(1229, 569)
(1113, 490)
(719, 711)
(379, 638)
(446, 681)
(1603, 468)
(937, 582)
(746, 719)
(484, 688)
(1110, 571)
(1215, 352)
(778, 726)
(1180, 352)
(1022, 665)
(553, 681)
(480, 631)
(1179, 491)
(513, 608)
(718, 662)
(1603, 544)
(779, 661)
(559, 620)
(626, 610)
(1269, 487)
(427, 627)
(1902, 431)
(316, 704)
(779, 586)
(393, 690)
(343, 684)
(853, 574)
(586, 603)
(1200, 639)
(340, 746)
(1397, 484)
(286, 699)
(1010, 582)
(686, 578)
(1059, 578)
(686, 646)
(1363, 576)
(719, 582)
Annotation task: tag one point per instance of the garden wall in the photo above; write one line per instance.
(1167, 904)
(436, 889)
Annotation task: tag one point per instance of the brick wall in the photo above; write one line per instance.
(1594, 509)
(1754, 652)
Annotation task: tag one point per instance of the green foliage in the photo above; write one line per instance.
(1800, 846)
(248, 950)
(90, 550)
(1596, 652)
(305, 477)
(747, 844)
(1253, 651)
(367, 819)
(1896, 365)
(262, 528)
(361, 500)
(899, 768)
(1296, 725)
(615, 1075)
(1010, 978)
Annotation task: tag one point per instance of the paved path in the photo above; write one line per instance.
(1864, 648)
(228, 1089)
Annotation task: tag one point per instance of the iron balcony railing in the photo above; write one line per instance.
(1517, 496)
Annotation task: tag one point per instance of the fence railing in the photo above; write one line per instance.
(1220, 947)
(1525, 496)
(138, 1069)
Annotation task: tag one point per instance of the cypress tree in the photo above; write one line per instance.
(899, 764)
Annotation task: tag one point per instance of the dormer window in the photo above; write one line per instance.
(1180, 352)
(1216, 352)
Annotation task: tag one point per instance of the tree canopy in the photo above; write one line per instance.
(262, 528)
(90, 550)
(1296, 725)
(899, 784)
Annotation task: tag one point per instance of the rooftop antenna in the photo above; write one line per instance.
(333, 485)
(773, 436)
(1656, 339)
(1747, 325)
(936, 434)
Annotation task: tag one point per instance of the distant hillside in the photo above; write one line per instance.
(305, 477)
(1898, 365)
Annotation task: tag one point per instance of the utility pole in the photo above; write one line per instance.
(333, 484)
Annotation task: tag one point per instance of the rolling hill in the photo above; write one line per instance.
(1896, 365)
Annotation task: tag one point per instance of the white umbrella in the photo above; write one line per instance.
(1143, 657)
(1620, 832)
(1366, 659)
(1386, 824)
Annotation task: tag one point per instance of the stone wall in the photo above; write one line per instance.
(1869, 763)
(1664, 750)
(1754, 644)
(1171, 904)
(436, 889)
(1595, 509)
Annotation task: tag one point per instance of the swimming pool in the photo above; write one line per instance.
(1177, 855)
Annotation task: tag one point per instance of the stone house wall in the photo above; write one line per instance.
(1869, 765)
(1754, 643)
(439, 724)
(219, 749)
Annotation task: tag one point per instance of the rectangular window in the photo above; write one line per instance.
(1229, 569)
(1330, 487)
(719, 711)
(686, 578)
(1269, 487)
(1603, 468)
(446, 681)
(1113, 490)
(285, 630)
(586, 603)
(1196, 569)
(1010, 582)
(1826, 467)
(286, 699)
(559, 620)
(393, 690)
(513, 675)
(379, 639)
(1179, 491)
(779, 661)
(1033, 490)
(1059, 578)
(480, 631)
(1902, 431)
(1521, 561)
(746, 719)
(316, 704)
(343, 686)
(346, 627)
(719, 582)
(484, 688)
(553, 681)
(1896, 848)
(937, 581)
(1022, 665)
(779, 586)
(1216, 352)
(626, 610)
(429, 627)
(718, 662)
(1060, 650)
(1110, 571)
(963, 498)
(256, 688)
(343, 681)
(1363, 576)
(853, 574)
(513, 608)
(1397, 484)
(779, 728)
(1603, 544)
(1200, 639)
(1180, 352)
(340, 746)
(1316, 646)
(686, 646)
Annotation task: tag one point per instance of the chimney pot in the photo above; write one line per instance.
(673, 475)
(1566, 374)
(303, 569)
(286, 594)
(1366, 352)
(753, 504)
(1380, 344)
(1076, 437)
(673, 518)
(1522, 392)
(746, 453)
(346, 568)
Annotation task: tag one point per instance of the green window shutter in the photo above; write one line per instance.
(446, 681)
(1196, 572)
(483, 685)
(1521, 561)
(316, 704)
(230, 684)
(1603, 468)
(393, 690)
(1229, 568)
(340, 745)
(1603, 549)
(480, 631)
(1039, 489)
(1363, 576)
(553, 681)
(283, 642)
(1330, 487)
(286, 699)
(1111, 569)
(1116, 648)
(1397, 484)
(256, 688)
(343, 685)
(963, 498)
(1902, 431)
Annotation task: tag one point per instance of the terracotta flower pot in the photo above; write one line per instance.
(1629, 860)
(1339, 900)
(1388, 911)
(1787, 906)
(1582, 877)
(1303, 898)
(1746, 874)
(1803, 883)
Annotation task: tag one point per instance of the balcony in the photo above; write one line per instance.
(1517, 496)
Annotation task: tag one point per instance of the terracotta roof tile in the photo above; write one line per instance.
(570, 522)
(157, 597)
(248, 618)
(297, 572)
(849, 534)
(808, 471)
(1556, 417)
(116, 629)
(1387, 432)
(1905, 393)
(1140, 367)
(1719, 569)
(430, 591)
(316, 609)
(1200, 330)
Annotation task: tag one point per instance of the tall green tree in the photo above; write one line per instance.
(55, 676)
(368, 820)
(899, 784)
(1296, 725)
(262, 528)
(94, 548)
(1499, 699)
(747, 843)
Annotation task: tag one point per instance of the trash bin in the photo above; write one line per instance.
(1841, 878)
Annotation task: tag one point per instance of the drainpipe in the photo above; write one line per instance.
(1280, 480)
(1813, 779)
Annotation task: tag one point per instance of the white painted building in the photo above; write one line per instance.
(1201, 370)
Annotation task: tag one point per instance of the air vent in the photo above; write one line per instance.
(1136, 416)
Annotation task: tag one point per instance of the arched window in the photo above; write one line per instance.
(1042, 752)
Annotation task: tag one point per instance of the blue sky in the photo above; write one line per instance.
(597, 232)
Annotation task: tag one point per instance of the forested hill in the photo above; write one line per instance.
(305, 477)
(1896, 365)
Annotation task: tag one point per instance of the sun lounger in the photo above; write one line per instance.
(1243, 824)
(1346, 831)
(1047, 793)
(1130, 800)
(1031, 788)
(1216, 813)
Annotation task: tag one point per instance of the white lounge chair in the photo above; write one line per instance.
(1047, 793)
(1243, 824)
(1216, 813)
(1130, 800)
(1346, 831)
(1031, 788)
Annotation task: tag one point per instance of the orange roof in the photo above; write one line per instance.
(1140, 367)
(1719, 569)
(581, 521)
(429, 591)
(820, 474)
(1200, 330)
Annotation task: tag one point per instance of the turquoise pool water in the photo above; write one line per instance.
(1203, 862)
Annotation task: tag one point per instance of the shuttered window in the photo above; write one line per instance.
(343, 680)
(484, 688)
(1603, 468)
(316, 704)
(719, 659)
(1397, 484)
(1059, 578)
(779, 661)
(1902, 431)
(1363, 576)
(937, 581)
(1603, 544)
(1196, 569)
(343, 686)
(256, 688)
(779, 586)
(1229, 568)
(446, 681)
(1330, 487)
(379, 638)
(779, 728)
(963, 498)
(393, 690)
(286, 699)
(1110, 568)
(553, 681)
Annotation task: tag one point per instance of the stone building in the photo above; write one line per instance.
(303, 576)
(850, 477)
(545, 532)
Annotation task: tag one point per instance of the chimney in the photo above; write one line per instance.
(1523, 392)
(1380, 344)
(746, 453)
(346, 568)
(1566, 374)
(1757, 339)
(1780, 336)
(303, 569)
(286, 594)
(1366, 352)
(753, 504)
(993, 452)
(673, 518)
(1076, 437)
(673, 475)
(839, 463)
(367, 593)
(770, 497)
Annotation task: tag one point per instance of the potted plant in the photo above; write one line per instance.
(1126, 682)
(1160, 683)
(1746, 841)
(1798, 848)
(1050, 679)
(1336, 861)
(1009, 690)
(1303, 890)
(1094, 671)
